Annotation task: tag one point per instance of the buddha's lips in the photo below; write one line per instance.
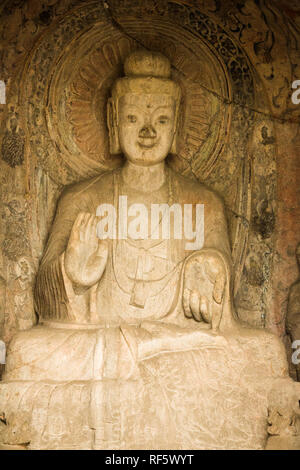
(148, 143)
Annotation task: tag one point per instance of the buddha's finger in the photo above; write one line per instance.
(205, 309)
(82, 225)
(94, 228)
(186, 303)
(85, 219)
(195, 305)
(216, 317)
(83, 229)
(89, 228)
(219, 287)
(78, 220)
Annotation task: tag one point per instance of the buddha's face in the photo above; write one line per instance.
(146, 127)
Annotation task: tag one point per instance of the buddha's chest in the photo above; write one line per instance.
(145, 260)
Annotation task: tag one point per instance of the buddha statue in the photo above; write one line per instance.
(138, 344)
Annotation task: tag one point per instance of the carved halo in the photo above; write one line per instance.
(77, 116)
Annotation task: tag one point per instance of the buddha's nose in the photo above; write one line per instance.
(147, 132)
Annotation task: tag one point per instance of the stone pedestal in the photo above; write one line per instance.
(153, 386)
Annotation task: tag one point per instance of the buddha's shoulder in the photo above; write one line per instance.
(193, 190)
(100, 184)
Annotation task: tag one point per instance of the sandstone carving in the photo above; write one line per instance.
(283, 417)
(138, 343)
(293, 312)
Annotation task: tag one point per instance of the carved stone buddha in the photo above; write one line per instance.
(138, 344)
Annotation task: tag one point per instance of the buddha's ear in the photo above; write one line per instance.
(174, 146)
(112, 124)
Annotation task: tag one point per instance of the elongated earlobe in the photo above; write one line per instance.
(174, 148)
(112, 124)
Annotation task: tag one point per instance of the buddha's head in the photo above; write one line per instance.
(143, 110)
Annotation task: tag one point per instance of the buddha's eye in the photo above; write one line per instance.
(131, 118)
(163, 119)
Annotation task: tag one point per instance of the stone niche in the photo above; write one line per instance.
(238, 134)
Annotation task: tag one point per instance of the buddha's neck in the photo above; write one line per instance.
(144, 178)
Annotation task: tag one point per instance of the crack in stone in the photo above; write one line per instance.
(110, 16)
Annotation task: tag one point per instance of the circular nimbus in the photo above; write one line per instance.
(80, 86)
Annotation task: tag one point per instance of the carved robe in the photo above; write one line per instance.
(116, 298)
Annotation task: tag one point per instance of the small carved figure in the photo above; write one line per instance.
(284, 416)
(293, 311)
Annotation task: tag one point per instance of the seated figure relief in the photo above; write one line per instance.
(138, 344)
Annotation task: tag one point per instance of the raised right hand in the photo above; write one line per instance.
(86, 255)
